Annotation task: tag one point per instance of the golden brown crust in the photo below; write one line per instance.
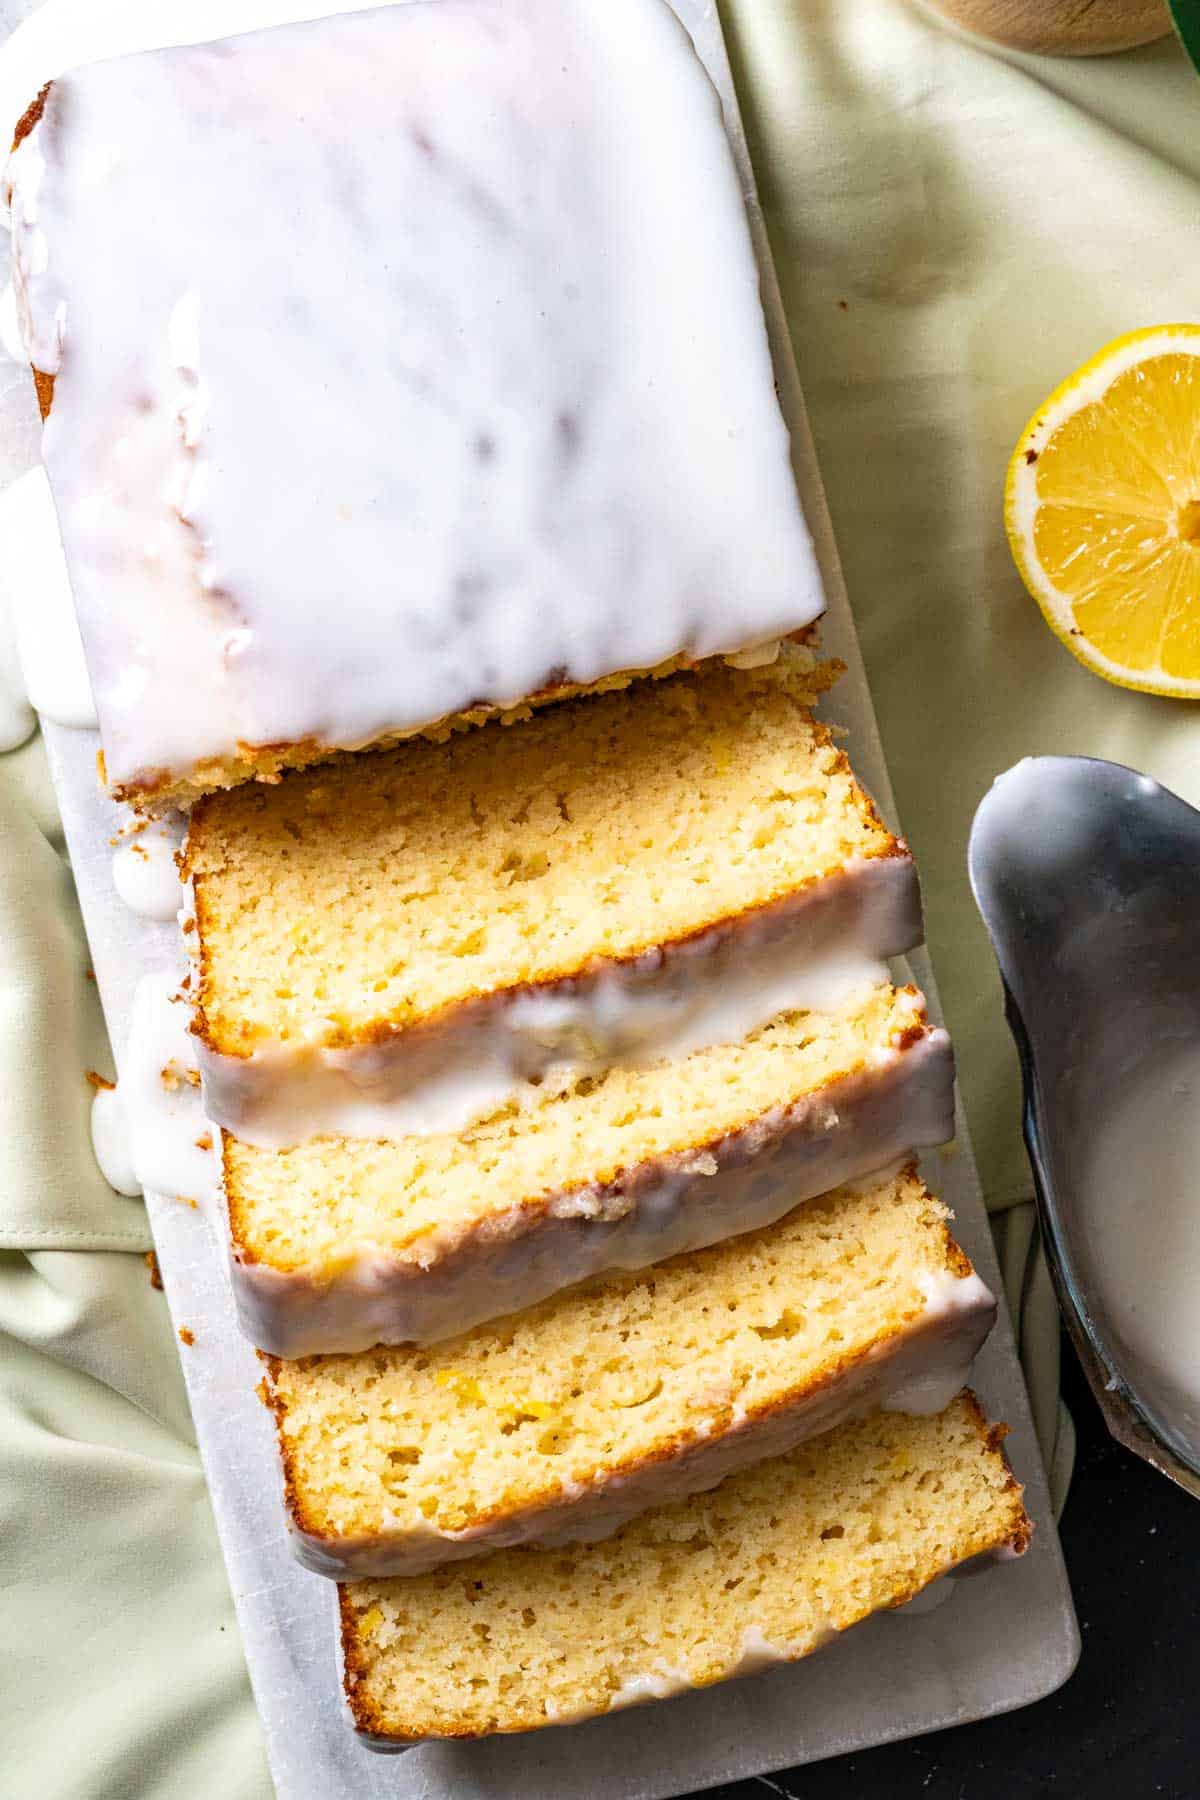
(996, 1435)
(44, 384)
(957, 1260)
(160, 791)
(293, 1500)
(354, 1669)
(30, 116)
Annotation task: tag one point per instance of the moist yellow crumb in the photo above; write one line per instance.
(772, 1562)
(321, 1201)
(522, 1423)
(360, 899)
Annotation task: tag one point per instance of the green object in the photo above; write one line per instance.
(1186, 14)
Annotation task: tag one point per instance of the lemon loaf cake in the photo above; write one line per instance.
(562, 1423)
(340, 1243)
(763, 1569)
(433, 442)
(399, 942)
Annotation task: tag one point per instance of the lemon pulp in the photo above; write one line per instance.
(1104, 510)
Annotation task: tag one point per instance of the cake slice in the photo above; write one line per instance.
(764, 1569)
(560, 1424)
(340, 1243)
(402, 941)
(489, 418)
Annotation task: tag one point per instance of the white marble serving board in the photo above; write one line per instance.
(999, 1641)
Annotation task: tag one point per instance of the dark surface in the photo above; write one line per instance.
(1127, 1724)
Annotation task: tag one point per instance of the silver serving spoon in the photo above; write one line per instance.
(1088, 878)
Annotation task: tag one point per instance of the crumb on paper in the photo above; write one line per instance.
(173, 1077)
(101, 769)
(204, 1141)
(89, 974)
(155, 1271)
(187, 925)
(101, 1083)
(187, 1335)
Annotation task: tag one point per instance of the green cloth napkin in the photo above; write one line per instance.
(123, 1668)
(954, 233)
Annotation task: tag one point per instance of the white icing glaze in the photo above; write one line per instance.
(17, 718)
(898, 1373)
(1140, 1230)
(951, 1298)
(659, 1682)
(904, 1100)
(663, 1680)
(110, 1142)
(815, 952)
(532, 465)
(863, 1184)
(760, 1652)
(38, 596)
(10, 327)
(1135, 1229)
(172, 1147)
(144, 871)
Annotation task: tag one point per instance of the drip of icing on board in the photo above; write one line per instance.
(17, 718)
(33, 572)
(110, 1141)
(144, 870)
(172, 1147)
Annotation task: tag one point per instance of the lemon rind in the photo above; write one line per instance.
(1084, 387)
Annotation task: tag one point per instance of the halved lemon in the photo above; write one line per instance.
(1102, 506)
